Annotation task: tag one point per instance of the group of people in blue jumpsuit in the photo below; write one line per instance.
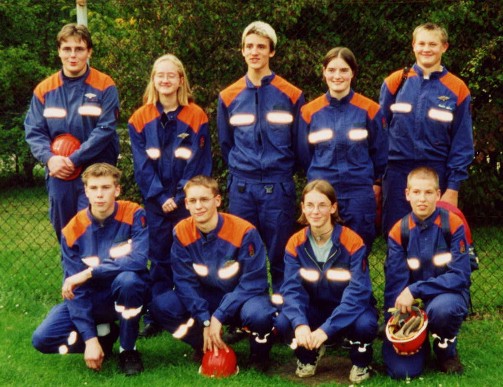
(208, 268)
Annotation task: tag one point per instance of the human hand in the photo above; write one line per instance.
(450, 196)
(404, 301)
(93, 354)
(73, 282)
(318, 337)
(60, 167)
(169, 206)
(303, 336)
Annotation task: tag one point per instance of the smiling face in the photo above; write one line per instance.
(74, 55)
(318, 210)
(423, 194)
(257, 53)
(167, 79)
(203, 205)
(338, 75)
(428, 49)
(102, 192)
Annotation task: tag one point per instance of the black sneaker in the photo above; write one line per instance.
(451, 365)
(150, 330)
(130, 362)
(107, 342)
(260, 363)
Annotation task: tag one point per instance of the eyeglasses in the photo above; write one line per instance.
(322, 207)
(77, 50)
(204, 200)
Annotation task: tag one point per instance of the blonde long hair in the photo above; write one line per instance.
(184, 93)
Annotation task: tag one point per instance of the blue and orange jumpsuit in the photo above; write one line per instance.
(436, 273)
(221, 274)
(259, 143)
(117, 251)
(345, 145)
(87, 107)
(168, 150)
(429, 124)
(335, 296)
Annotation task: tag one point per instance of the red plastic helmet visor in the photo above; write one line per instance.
(412, 343)
(65, 145)
(221, 366)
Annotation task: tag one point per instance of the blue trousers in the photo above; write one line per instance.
(361, 334)
(271, 208)
(160, 228)
(66, 198)
(395, 205)
(446, 313)
(256, 314)
(128, 289)
(359, 214)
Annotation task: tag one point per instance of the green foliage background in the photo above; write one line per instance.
(206, 34)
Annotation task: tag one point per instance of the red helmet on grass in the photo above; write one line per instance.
(407, 332)
(65, 145)
(221, 366)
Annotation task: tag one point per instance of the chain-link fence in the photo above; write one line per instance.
(206, 35)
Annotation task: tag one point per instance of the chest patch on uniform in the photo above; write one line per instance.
(443, 98)
(183, 135)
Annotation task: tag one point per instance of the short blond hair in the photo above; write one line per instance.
(426, 173)
(263, 29)
(205, 181)
(102, 169)
(432, 27)
(184, 93)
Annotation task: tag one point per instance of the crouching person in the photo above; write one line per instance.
(219, 272)
(427, 262)
(327, 292)
(104, 250)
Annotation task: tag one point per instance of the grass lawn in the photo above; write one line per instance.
(30, 284)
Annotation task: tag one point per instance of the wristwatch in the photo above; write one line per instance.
(206, 323)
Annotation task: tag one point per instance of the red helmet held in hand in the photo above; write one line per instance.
(65, 145)
(222, 365)
(407, 332)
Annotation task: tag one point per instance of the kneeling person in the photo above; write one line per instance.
(220, 277)
(327, 291)
(104, 249)
(425, 265)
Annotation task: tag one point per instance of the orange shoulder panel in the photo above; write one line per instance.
(99, 80)
(186, 232)
(76, 227)
(393, 81)
(286, 87)
(295, 241)
(455, 222)
(230, 93)
(457, 86)
(194, 116)
(143, 116)
(312, 107)
(350, 240)
(234, 229)
(125, 212)
(396, 231)
(366, 104)
(47, 85)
